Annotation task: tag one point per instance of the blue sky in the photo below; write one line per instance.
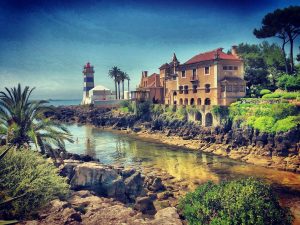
(45, 43)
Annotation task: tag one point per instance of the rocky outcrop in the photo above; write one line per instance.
(83, 207)
(124, 185)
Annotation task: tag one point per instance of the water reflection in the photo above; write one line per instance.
(111, 148)
(190, 166)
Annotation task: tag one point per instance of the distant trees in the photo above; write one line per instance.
(119, 77)
(284, 24)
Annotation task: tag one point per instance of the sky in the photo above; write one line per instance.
(45, 43)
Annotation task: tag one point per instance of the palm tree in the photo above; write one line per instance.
(123, 77)
(25, 125)
(114, 74)
(128, 80)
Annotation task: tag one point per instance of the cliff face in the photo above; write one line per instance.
(280, 150)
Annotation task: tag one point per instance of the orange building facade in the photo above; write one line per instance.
(210, 78)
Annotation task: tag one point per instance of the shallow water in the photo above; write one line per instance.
(194, 167)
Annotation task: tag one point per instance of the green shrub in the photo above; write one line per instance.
(143, 110)
(181, 113)
(264, 91)
(26, 171)
(283, 95)
(286, 124)
(126, 106)
(272, 95)
(264, 123)
(157, 109)
(289, 82)
(246, 201)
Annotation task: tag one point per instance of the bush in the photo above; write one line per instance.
(264, 123)
(289, 82)
(143, 110)
(264, 91)
(246, 201)
(26, 171)
(286, 124)
(181, 113)
(126, 106)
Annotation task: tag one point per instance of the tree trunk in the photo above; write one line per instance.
(116, 89)
(119, 89)
(284, 56)
(128, 88)
(123, 91)
(292, 54)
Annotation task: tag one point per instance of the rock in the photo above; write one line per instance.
(134, 186)
(145, 205)
(167, 216)
(164, 195)
(136, 129)
(155, 184)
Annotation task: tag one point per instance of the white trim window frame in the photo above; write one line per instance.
(183, 72)
(208, 70)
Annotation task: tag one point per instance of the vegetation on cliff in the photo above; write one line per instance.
(264, 116)
(27, 174)
(246, 201)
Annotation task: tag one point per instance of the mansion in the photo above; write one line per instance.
(210, 78)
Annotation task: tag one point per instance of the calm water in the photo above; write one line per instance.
(113, 147)
(64, 102)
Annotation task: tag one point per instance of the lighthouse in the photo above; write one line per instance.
(88, 83)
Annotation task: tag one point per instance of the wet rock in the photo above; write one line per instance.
(145, 205)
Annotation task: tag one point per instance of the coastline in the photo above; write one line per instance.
(242, 154)
(279, 152)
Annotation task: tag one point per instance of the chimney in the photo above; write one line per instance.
(145, 73)
(234, 50)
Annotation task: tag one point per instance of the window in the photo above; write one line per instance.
(174, 77)
(206, 70)
(229, 88)
(180, 89)
(207, 88)
(183, 73)
(186, 89)
(242, 88)
(194, 74)
(207, 101)
(235, 88)
(230, 67)
(222, 88)
(194, 88)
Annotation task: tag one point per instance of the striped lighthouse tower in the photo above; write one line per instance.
(88, 83)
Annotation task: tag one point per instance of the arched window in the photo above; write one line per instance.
(198, 117)
(192, 101)
(186, 101)
(208, 119)
(207, 101)
(199, 101)
(180, 101)
(207, 88)
(174, 93)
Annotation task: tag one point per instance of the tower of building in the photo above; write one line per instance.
(88, 82)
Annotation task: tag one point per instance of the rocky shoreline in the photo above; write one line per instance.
(279, 151)
(102, 194)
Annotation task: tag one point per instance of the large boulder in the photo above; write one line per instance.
(124, 185)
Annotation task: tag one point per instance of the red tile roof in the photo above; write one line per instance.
(211, 56)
